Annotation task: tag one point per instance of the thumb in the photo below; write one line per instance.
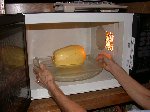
(107, 59)
(42, 66)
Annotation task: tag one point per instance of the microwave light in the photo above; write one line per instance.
(109, 41)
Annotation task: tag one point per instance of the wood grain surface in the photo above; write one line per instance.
(89, 100)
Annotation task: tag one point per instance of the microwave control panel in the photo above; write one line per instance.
(141, 58)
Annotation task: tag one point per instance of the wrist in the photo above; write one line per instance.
(117, 71)
(54, 90)
(114, 67)
(51, 85)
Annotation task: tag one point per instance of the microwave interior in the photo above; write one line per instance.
(94, 37)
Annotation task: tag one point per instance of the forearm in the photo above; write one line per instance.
(65, 104)
(135, 90)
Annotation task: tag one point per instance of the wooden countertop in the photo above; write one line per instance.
(89, 100)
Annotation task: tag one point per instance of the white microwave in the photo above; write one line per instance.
(47, 32)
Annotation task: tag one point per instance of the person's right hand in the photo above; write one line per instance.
(106, 61)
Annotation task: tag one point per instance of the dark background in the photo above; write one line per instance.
(53, 1)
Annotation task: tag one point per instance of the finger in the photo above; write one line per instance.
(107, 55)
(42, 66)
(36, 72)
(100, 57)
(103, 55)
(106, 60)
(38, 79)
(35, 69)
(44, 70)
(101, 65)
(104, 65)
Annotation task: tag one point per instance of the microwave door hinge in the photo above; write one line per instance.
(132, 43)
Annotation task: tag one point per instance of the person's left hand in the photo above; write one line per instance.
(43, 76)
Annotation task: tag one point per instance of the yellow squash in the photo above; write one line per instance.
(13, 56)
(69, 56)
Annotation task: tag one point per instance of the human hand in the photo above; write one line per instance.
(106, 61)
(43, 76)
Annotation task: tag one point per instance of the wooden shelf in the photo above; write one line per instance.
(89, 100)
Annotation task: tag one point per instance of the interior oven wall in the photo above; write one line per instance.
(98, 40)
(125, 18)
(42, 43)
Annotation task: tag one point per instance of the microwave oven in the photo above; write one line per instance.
(124, 35)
